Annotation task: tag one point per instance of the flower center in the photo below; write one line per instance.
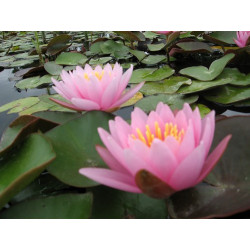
(169, 130)
(95, 73)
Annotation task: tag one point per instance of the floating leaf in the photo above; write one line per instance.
(198, 86)
(74, 143)
(28, 83)
(238, 78)
(71, 58)
(194, 46)
(228, 185)
(19, 105)
(110, 46)
(159, 74)
(175, 101)
(227, 94)
(58, 44)
(150, 34)
(138, 54)
(63, 206)
(138, 96)
(53, 68)
(96, 47)
(29, 161)
(221, 37)
(101, 60)
(139, 74)
(21, 63)
(110, 203)
(128, 35)
(153, 59)
(156, 47)
(204, 74)
(168, 86)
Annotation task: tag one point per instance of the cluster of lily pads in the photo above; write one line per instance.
(42, 151)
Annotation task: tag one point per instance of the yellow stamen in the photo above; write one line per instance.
(170, 130)
(98, 75)
(86, 76)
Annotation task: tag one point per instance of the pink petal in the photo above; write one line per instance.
(187, 173)
(138, 119)
(165, 113)
(213, 158)
(181, 120)
(65, 104)
(110, 160)
(85, 104)
(111, 178)
(127, 95)
(162, 159)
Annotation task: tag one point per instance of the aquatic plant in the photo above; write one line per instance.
(172, 147)
(95, 89)
(242, 38)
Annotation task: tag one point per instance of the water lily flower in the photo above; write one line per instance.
(95, 89)
(242, 38)
(174, 147)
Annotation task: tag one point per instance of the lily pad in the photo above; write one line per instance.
(238, 78)
(167, 86)
(21, 63)
(71, 58)
(153, 59)
(156, 47)
(228, 94)
(221, 37)
(175, 101)
(228, 185)
(63, 206)
(159, 74)
(139, 74)
(28, 83)
(138, 54)
(96, 47)
(194, 46)
(101, 60)
(110, 203)
(138, 96)
(128, 35)
(204, 74)
(110, 46)
(53, 68)
(19, 105)
(74, 143)
(20, 128)
(58, 44)
(198, 86)
(150, 34)
(29, 161)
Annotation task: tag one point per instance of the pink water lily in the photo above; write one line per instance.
(174, 147)
(242, 38)
(95, 89)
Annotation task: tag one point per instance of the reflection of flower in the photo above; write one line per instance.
(172, 147)
(242, 37)
(95, 89)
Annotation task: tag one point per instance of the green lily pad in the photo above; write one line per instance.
(101, 60)
(69, 68)
(194, 46)
(175, 101)
(114, 204)
(128, 35)
(96, 47)
(58, 44)
(19, 105)
(74, 143)
(63, 206)
(151, 74)
(71, 58)
(110, 46)
(21, 63)
(167, 86)
(53, 68)
(150, 34)
(156, 47)
(238, 78)
(153, 59)
(228, 94)
(7, 58)
(228, 185)
(221, 37)
(28, 83)
(139, 74)
(204, 74)
(29, 161)
(138, 54)
(198, 86)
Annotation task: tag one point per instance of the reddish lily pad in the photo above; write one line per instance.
(227, 187)
(58, 44)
